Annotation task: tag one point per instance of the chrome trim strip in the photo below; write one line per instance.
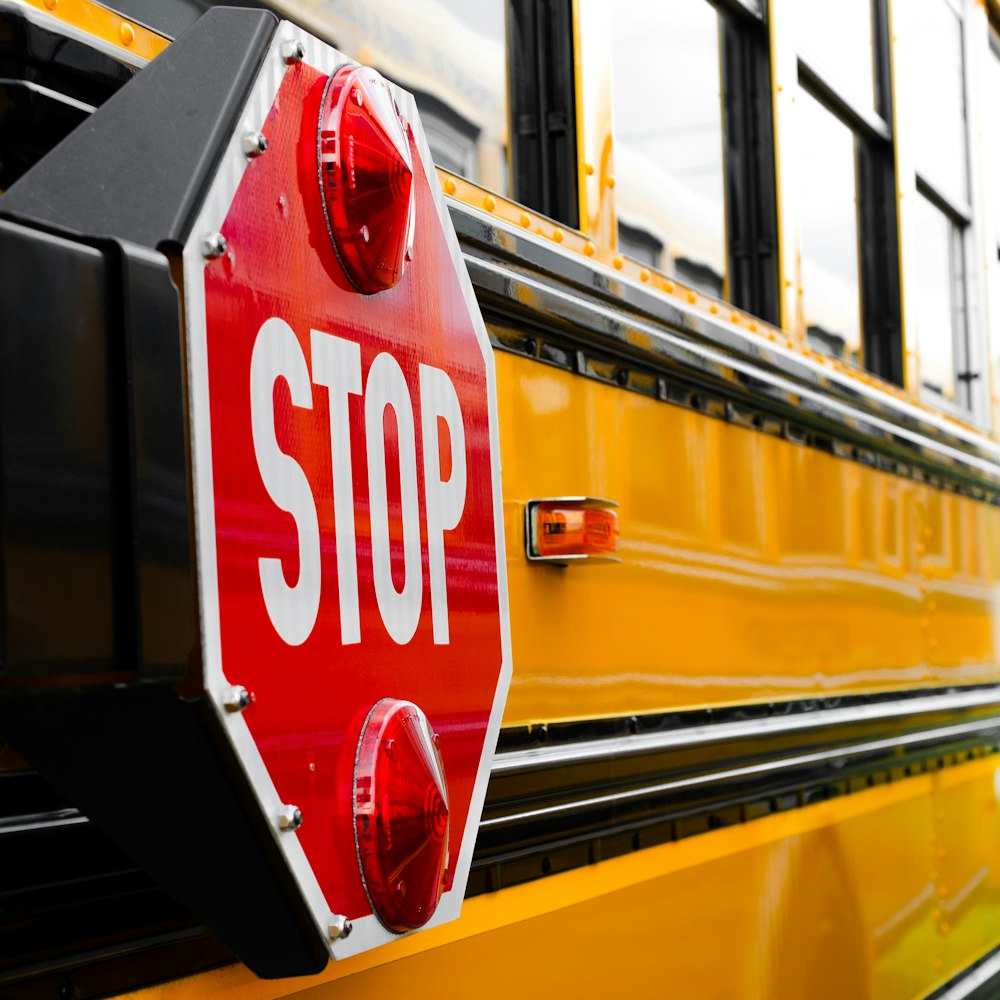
(48, 22)
(664, 345)
(770, 767)
(590, 750)
(543, 259)
(979, 976)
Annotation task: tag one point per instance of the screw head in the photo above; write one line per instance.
(254, 144)
(340, 927)
(292, 51)
(289, 817)
(236, 698)
(214, 246)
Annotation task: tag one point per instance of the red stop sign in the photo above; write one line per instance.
(348, 505)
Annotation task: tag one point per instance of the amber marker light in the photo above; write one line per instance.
(563, 530)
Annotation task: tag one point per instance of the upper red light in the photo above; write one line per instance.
(366, 175)
(401, 816)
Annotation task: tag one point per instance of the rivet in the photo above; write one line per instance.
(644, 275)
(525, 219)
(254, 144)
(692, 298)
(610, 181)
(588, 249)
(489, 203)
(713, 309)
(289, 818)
(589, 168)
(921, 549)
(358, 97)
(51, 4)
(236, 698)
(340, 927)
(214, 246)
(292, 51)
(449, 186)
(363, 233)
(618, 262)
(928, 532)
(668, 286)
(752, 327)
(557, 235)
(126, 33)
(938, 964)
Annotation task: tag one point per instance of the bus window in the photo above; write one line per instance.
(843, 143)
(939, 299)
(669, 180)
(838, 38)
(828, 235)
(450, 54)
(934, 31)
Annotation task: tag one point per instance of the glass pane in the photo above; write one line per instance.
(450, 54)
(837, 39)
(992, 122)
(938, 98)
(938, 309)
(668, 138)
(828, 231)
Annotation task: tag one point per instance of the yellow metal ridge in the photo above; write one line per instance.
(133, 39)
(494, 911)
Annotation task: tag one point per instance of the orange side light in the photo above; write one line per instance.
(573, 528)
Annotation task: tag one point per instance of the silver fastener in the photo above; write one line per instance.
(214, 246)
(254, 144)
(340, 927)
(289, 817)
(236, 698)
(292, 51)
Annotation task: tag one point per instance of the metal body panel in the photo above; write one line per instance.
(830, 576)
(885, 894)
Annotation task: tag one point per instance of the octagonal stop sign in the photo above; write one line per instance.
(347, 498)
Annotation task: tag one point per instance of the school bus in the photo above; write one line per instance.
(739, 262)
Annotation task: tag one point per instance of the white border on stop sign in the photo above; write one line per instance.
(368, 932)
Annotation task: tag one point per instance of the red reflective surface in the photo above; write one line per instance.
(312, 699)
(366, 177)
(401, 815)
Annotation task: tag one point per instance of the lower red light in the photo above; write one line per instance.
(401, 818)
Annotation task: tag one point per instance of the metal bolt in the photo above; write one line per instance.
(254, 144)
(340, 927)
(363, 233)
(290, 818)
(292, 52)
(214, 246)
(236, 698)
(358, 96)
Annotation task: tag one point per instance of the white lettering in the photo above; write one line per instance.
(445, 501)
(400, 610)
(337, 365)
(276, 354)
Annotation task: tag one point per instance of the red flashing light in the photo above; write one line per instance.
(401, 816)
(366, 176)
(571, 529)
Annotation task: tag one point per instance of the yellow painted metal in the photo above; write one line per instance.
(882, 894)
(133, 39)
(752, 568)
